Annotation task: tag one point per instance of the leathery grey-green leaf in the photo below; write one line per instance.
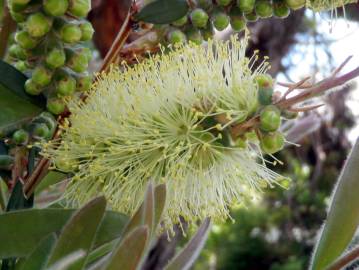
(79, 233)
(343, 215)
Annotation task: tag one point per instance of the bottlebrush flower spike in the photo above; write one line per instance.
(322, 5)
(167, 120)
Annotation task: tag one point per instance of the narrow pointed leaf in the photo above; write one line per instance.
(128, 254)
(343, 215)
(163, 11)
(52, 178)
(160, 202)
(69, 261)
(101, 251)
(79, 233)
(185, 258)
(33, 224)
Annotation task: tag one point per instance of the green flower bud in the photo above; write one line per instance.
(20, 136)
(264, 9)
(195, 36)
(48, 119)
(32, 88)
(295, 4)
(223, 3)
(16, 51)
(40, 131)
(77, 60)
(21, 66)
(251, 17)
(246, 6)
(280, 9)
(269, 118)
(83, 83)
(38, 25)
(55, 58)
(70, 33)
(56, 8)
(264, 81)
(87, 51)
(66, 86)
(180, 22)
(80, 8)
(17, 16)
(17, 5)
(238, 23)
(176, 36)
(221, 21)
(41, 76)
(199, 18)
(6, 162)
(265, 96)
(289, 115)
(272, 142)
(25, 40)
(55, 106)
(86, 31)
(208, 32)
(205, 4)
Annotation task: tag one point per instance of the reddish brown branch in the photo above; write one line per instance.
(345, 260)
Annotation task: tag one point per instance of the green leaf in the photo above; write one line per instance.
(163, 11)
(79, 233)
(17, 107)
(52, 178)
(129, 253)
(22, 230)
(101, 251)
(185, 258)
(17, 199)
(39, 257)
(343, 215)
(160, 202)
(68, 261)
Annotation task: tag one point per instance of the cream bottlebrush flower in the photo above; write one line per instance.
(166, 120)
(322, 5)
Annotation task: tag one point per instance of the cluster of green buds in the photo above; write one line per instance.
(206, 16)
(49, 47)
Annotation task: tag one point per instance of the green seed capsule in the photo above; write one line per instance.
(246, 6)
(6, 162)
(41, 76)
(176, 36)
(17, 5)
(199, 18)
(272, 142)
(295, 4)
(66, 86)
(40, 131)
(32, 88)
(264, 9)
(265, 96)
(55, 106)
(264, 81)
(83, 83)
(180, 22)
(25, 40)
(251, 17)
(55, 58)
(18, 17)
(80, 8)
(70, 33)
(38, 25)
(205, 4)
(56, 8)
(20, 136)
(48, 119)
(21, 66)
(221, 21)
(17, 52)
(223, 3)
(269, 118)
(87, 31)
(77, 60)
(280, 10)
(195, 36)
(238, 23)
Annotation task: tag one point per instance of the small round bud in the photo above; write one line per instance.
(32, 88)
(223, 3)
(40, 131)
(264, 9)
(80, 8)
(17, 5)
(77, 60)
(251, 17)
(20, 137)
(18, 17)
(55, 58)
(25, 40)
(195, 36)
(238, 23)
(6, 162)
(295, 4)
(265, 96)
(41, 76)
(180, 22)
(21, 66)
(70, 33)
(83, 83)
(176, 36)
(55, 106)
(199, 18)
(17, 52)
(48, 119)
(66, 86)
(38, 25)
(272, 142)
(264, 81)
(56, 8)
(220, 21)
(246, 6)
(280, 9)
(86, 31)
(269, 118)
(205, 4)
